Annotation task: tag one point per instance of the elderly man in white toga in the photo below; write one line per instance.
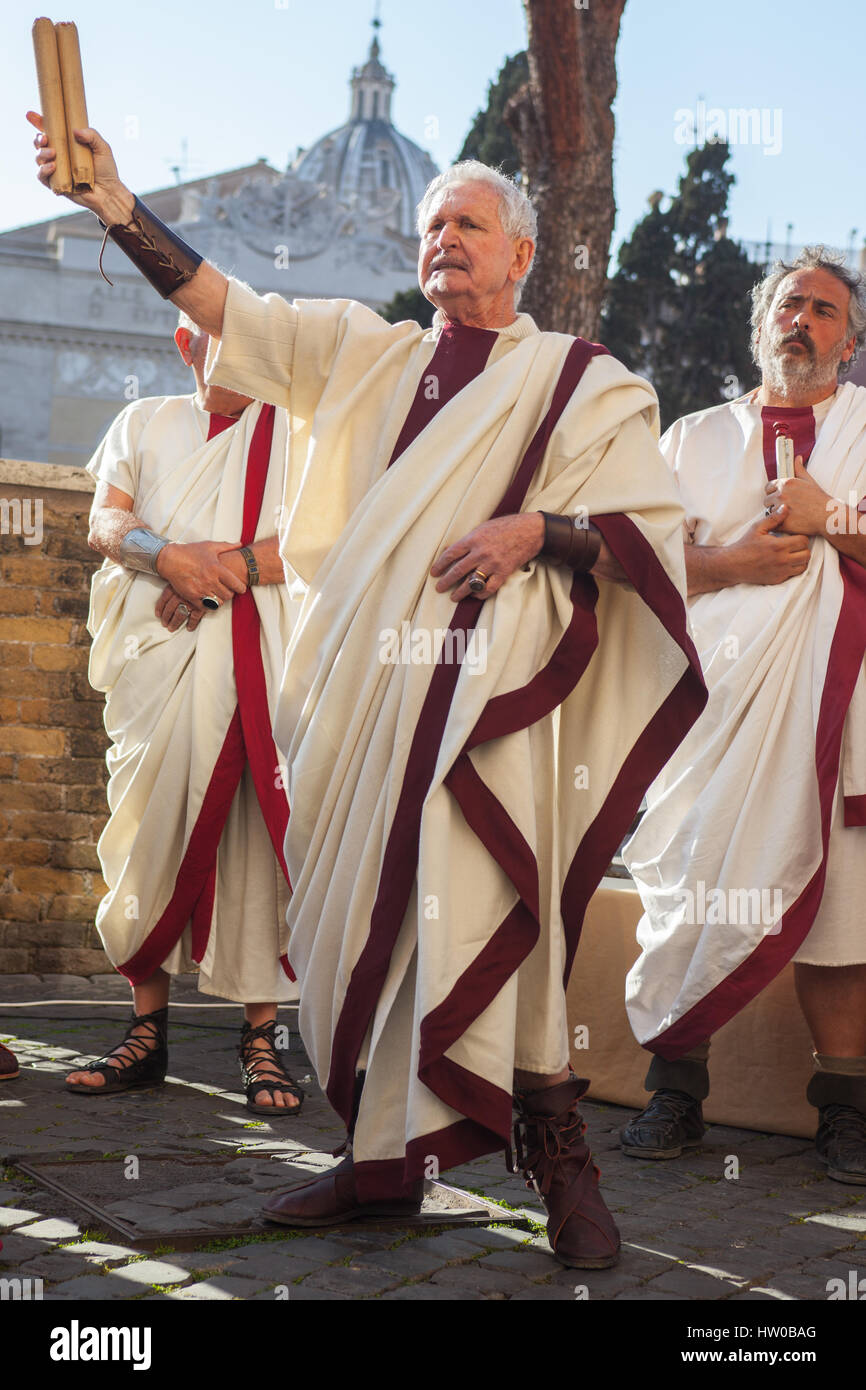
(450, 819)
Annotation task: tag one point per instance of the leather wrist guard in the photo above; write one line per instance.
(162, 257)
(251, 564)
(568, 544)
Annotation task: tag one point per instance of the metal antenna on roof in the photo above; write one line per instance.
(181, 166)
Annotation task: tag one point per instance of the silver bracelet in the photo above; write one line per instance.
(139, 549)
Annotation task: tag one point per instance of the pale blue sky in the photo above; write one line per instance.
(240, 80)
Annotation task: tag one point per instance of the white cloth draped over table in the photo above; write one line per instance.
(439, 892)
(753, 801)
(190, 862)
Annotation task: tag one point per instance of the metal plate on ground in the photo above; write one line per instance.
(189, 1199)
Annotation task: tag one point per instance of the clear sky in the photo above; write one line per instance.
(239, 79)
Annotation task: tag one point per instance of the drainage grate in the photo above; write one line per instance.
(190, 1198)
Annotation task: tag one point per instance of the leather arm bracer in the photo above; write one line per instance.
(162, 257)
(566, 543)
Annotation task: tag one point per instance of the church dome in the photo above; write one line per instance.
(367, 163)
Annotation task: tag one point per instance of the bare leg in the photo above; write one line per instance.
(148, 997)
(833, 1000)
(255, 1015)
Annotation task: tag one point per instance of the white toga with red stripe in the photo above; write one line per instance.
(753, 849)
(196, 792)
(451, 817)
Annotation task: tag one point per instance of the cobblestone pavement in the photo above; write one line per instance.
(748, 1217)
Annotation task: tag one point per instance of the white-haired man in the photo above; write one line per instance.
(451, 816)
(190, 617)
(753, 851)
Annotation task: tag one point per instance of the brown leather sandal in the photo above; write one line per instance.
(257, 1047)
(332, 1199)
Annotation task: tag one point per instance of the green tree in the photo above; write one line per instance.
(677, 309)
(409, 304)
(489, 138)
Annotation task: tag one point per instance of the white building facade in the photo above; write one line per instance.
(339, 222)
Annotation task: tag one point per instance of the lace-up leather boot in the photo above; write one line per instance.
(556, 1161)
(672, 1121)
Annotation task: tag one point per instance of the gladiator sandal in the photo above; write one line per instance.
(147, 1067)
(557, 1163)
(256, 1050)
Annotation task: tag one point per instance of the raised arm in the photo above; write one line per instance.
(176, 271)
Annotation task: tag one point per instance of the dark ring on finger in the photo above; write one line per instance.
(478, 581)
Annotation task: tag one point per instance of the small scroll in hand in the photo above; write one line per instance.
(72, 78)
(61, 96)
(51, 101)
(784, 456)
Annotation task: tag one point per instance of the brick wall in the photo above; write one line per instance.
(52, 743)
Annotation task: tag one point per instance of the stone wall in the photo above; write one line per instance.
(52, 742)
